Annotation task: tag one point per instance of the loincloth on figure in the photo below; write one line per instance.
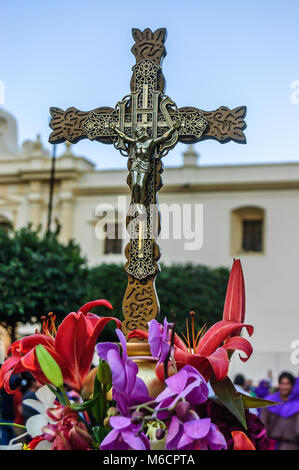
(142, 166)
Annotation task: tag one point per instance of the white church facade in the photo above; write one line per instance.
(246, 211)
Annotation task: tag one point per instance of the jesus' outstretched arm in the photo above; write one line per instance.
(123, 135)
(168, 133)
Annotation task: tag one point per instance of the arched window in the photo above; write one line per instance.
(247, 230)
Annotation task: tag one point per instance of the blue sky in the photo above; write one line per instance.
(77, 53)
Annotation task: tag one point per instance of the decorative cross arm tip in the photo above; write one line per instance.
(70, 125)
(226, 124)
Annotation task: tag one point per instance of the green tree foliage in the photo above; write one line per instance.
(107, 281)
(183, 288)
(38, 275)
(180, 288)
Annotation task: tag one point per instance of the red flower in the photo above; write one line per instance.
(209, 355)
(36, 440)
(67, 432)
(208, 352)
(234, 306)
(241, 441)
(72, 347)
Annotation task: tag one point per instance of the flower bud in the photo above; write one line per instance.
(80, 439)
(112, 411)
(182, 409)
(160, 433)
(137, 417)
(104, 375)
(49, 366)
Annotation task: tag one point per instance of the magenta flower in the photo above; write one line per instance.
(196, 434)
(124, 436)
(127, 389)
(228, 423)
(159, 339)
(187, 384)
(66, 432)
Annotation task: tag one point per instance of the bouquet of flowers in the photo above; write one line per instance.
(182, 400)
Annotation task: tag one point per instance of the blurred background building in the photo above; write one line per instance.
(250, 211)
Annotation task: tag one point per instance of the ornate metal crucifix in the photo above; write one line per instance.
(144, 126)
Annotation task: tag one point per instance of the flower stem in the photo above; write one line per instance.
(147, 403)
(104, 398)
(194, 414)
(13, 424)
(171, 347)
(66, 398)
(151, 410)
(17, 438)
(173, 362)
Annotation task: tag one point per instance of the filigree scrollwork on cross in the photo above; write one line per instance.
(145, 73)
(194, 124)
(96, 125)
(141, 268)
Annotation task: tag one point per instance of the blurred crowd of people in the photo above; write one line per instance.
(282, 420)
(13, 410)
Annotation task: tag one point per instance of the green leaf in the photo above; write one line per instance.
(97, 386)
(104, 374)
(49, 366)
(86, 405)
(216, 400)
(229, 397)
(99, 433)
(53, 389)
(254, 402)
(97, 409)
(57, 393)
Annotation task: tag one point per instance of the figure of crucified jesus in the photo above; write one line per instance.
(143, 147)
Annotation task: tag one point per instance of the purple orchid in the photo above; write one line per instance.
(124, 436)
(196, 434)
(187, 384)
(159, 339)
(127, 389)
